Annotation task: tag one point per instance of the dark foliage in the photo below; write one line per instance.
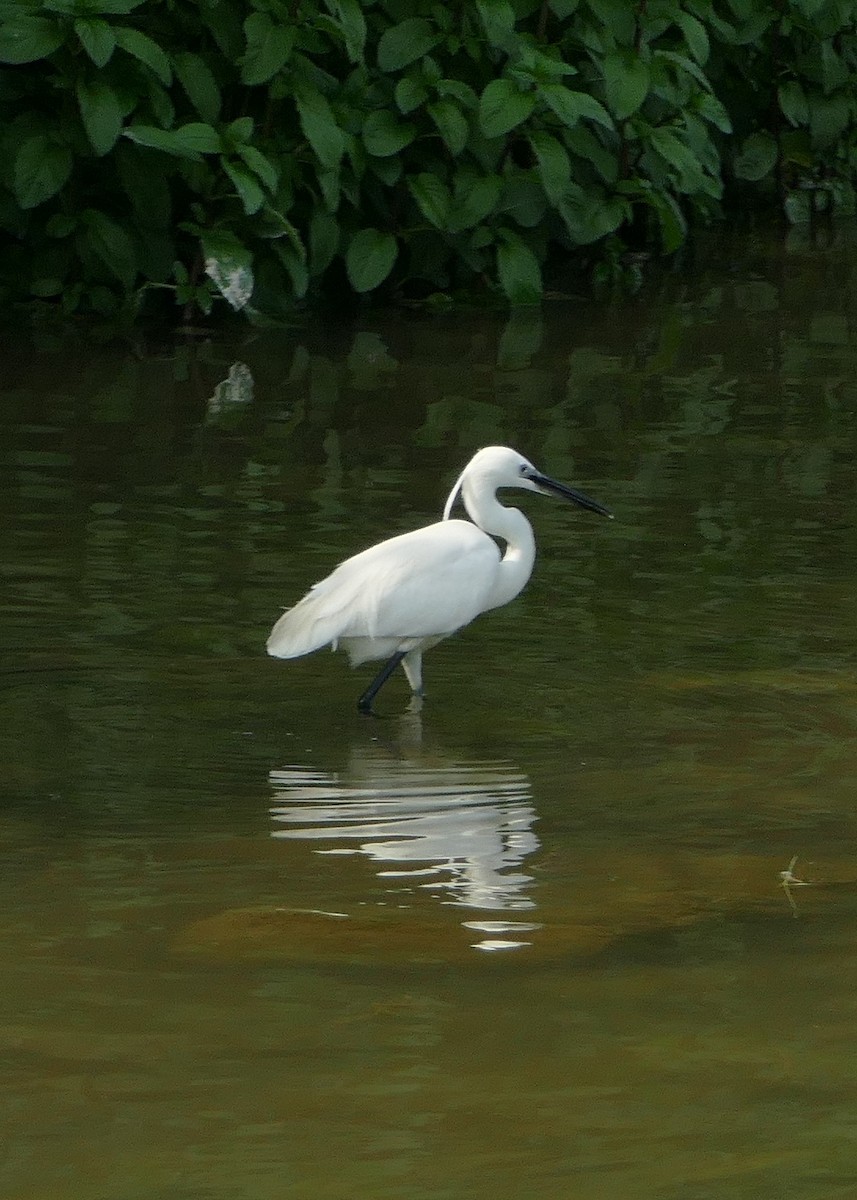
(261, 151)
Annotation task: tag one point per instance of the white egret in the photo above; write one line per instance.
(403, 596)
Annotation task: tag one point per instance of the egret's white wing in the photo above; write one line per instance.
(429, 582)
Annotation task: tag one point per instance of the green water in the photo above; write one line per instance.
(532, 941)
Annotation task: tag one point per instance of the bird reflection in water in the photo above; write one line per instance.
(462, 831)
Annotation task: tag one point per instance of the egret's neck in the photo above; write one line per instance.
(513, 528)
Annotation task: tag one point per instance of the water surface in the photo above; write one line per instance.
(533, 940)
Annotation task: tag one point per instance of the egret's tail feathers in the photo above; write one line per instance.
(303, 629)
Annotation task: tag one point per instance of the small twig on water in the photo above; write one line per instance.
(788, 880)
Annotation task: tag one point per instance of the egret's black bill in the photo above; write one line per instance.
(559, 489)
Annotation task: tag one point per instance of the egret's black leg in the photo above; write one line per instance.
(365, 701)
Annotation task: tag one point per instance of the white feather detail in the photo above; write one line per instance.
(424, 584)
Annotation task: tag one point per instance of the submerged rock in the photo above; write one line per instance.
(620, 895)
(270, 935)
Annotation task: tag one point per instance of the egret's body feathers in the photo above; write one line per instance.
(404, 595)
(419, 585)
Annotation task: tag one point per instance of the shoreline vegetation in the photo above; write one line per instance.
(174, 161)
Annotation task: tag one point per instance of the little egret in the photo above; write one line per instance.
(403, 596)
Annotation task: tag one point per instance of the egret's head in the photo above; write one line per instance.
(500, 467)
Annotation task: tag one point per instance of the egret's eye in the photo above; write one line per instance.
(523, 468)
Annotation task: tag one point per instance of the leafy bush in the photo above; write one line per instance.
(264, 150)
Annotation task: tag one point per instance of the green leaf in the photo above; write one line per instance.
(475, 201)
(793, 103)
(46, 288)
(101, 113)
(97, 39)
(498, 20)
(199, 83)
(261, 166)
(370, 258)
(296, 266)
(697, 137)
(757, 157)
(431, 71)
(330, 182)
(554, 164)
(239, 132)
(590, 216)
(388, 170)
(674, 151)
(713, 111)
(626, 83)
(829, 117)
(269, 47)
(188, 141)
(583, 142)
(404, 43)
(319, 126)
(462, 92)
(673, 226)
(619, 17)
(29, 38)
(410, 93)
(223, 22)
(695, 35)
(753, 28)
(110, 7)
(112, 245)
(524, 199)
(451, 125)
(384, 134)
(798, 208)
(160, 103)
(810, 8)
(433, 198)
(572, 106)
(502, 106)
(323, 241)
(41, 168)
(537, 67)
(274, 225)
(518, 271)
(229, 265)
(684, 66)
(145, 51)
(834, 69)
(60, 226)
(353, 24)
(251, 195)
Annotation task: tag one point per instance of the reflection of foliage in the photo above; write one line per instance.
(257, 151)
(231, 393)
